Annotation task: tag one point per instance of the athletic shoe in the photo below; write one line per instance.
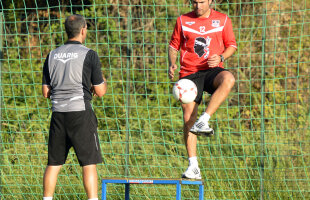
(192, 172)
(202, 128)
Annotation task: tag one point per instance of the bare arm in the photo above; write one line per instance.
(172, 57)
(100, 90)
(215, 59)
(229, 52)
(46, 91)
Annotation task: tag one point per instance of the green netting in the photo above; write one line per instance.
(261, 148)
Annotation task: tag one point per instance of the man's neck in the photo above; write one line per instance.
(78, 39)
(206, 15)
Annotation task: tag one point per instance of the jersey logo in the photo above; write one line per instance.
(65, 57)
(216, 23)
(189, 23)
(201, 46)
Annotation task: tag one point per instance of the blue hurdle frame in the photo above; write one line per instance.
(127, 182)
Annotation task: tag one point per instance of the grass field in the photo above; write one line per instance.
(262, 130)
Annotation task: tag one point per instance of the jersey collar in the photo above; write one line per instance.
(73, 42)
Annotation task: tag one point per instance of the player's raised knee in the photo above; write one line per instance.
(229, 80)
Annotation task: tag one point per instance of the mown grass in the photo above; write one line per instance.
(269, 99)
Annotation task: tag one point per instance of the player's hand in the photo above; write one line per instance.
(214, 60)
(172, 68)
(93, 91)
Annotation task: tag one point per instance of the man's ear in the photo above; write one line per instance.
(83, 31)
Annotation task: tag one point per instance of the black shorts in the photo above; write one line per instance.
(77, 130)
(204, 81)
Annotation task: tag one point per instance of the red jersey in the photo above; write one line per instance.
(200, 38)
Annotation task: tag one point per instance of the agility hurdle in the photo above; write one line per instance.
(128, 181)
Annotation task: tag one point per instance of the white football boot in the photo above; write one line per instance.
(201, 127)
(192, 172)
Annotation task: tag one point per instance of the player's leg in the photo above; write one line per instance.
(50, 180)
(190, 139)
(223, 84)
(58, 148)
(219, 83)
(90, 179)
(189, 118)
(82, 131)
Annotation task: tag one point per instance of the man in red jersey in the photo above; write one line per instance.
(206, 39)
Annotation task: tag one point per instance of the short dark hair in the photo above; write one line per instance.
(207, 0)
(74, 24)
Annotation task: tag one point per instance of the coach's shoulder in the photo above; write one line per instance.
(91, 53)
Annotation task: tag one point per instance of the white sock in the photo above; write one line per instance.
(204, 117)
(93, 199)
(193, 161)
(47, 198)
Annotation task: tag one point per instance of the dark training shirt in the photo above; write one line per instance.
(70, 70)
